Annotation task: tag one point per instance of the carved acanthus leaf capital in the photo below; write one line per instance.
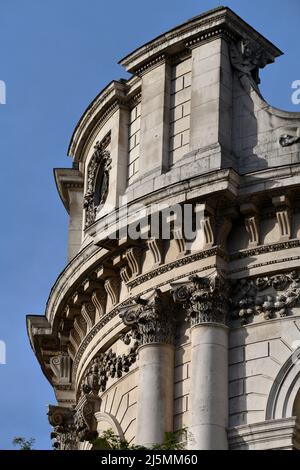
(64, 431)
(205, 299)
(151, 320)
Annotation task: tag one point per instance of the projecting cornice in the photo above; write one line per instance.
(205, 27)
(67, 180)
(100, 109)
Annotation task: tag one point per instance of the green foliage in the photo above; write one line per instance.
(172, 441)
(108, 440)
(23, 444)
(111, 441)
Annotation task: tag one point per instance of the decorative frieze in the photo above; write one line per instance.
(108, 365)
(268, 248)
(269, 296)
(205, 299)
(150, 320)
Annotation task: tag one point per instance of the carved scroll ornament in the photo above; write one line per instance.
(205, 299)
(150, 320)
(97, 182)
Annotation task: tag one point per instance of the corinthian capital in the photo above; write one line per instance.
(64, 431)
(205, 299)
(150, 320)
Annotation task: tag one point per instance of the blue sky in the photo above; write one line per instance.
(56, 55)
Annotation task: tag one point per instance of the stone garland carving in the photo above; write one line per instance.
(288, 140)
(150, 320)
(105, 366)
(270, 296)
(100, 161)
(205, 299)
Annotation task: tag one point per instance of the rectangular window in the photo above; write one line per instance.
(180, 110)
(134, 143)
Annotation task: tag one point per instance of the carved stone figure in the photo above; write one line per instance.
(288, 140)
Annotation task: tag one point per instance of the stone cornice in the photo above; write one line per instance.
(271, 247)
(226, 180)
(198, 27)
(176, 264)
(116, 94)
(67, 179)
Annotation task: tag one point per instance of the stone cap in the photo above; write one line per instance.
(203, 27)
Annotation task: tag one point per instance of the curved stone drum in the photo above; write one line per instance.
(180, 305)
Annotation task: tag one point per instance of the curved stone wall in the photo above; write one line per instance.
(192, 321)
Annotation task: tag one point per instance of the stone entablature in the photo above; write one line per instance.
(138, 330)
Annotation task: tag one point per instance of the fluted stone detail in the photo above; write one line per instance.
(205, 299)
(150, 320)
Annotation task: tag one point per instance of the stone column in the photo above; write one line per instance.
(205, 300)
(153, 327)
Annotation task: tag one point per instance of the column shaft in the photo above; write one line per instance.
(209, 387)
(155, 395)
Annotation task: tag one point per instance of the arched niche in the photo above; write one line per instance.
(284, 397)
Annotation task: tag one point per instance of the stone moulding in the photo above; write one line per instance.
(267, 263)
(277, 434)
(269, 248)
(176, 264)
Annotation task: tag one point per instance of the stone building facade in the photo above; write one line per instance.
(197, 330)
